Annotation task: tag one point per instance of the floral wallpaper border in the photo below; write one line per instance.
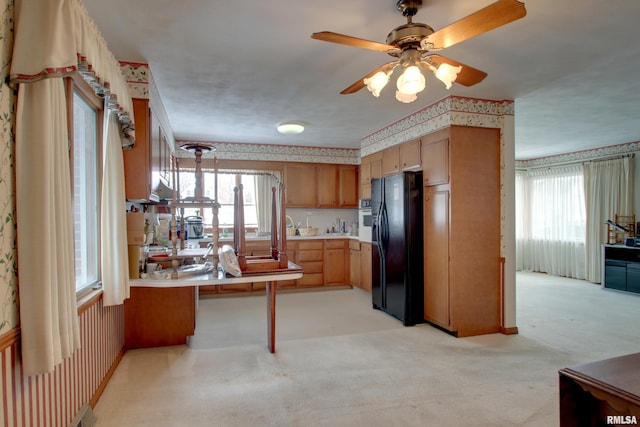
(453, 110)
(137, 75)
(580, 156)
(239, 151)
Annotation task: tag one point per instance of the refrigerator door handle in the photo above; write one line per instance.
(384, 229)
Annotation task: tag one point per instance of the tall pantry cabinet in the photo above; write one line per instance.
(461, 178)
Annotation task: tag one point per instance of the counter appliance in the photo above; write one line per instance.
(397, 273)
(194, 227)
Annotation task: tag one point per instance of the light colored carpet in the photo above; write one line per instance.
(341, 363)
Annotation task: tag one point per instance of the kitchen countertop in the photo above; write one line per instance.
(253, 238)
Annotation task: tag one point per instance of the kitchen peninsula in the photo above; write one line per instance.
(162, 312)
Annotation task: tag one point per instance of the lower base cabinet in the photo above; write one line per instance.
(336, 262)
(309, 255)
(354, 263)
(155, 317)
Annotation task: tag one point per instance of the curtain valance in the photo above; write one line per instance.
(57, 37)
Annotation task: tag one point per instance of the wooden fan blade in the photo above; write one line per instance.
(328, 36)
(360, 83)
(468, 76)
(493, 16)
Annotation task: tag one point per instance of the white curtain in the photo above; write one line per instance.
(52, 39)
(113, 221)
(608, 187)
(48, 312)
(264, 185)
(550, 221)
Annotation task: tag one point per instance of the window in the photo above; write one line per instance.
(85, 148)
(555, 206)
(226, 184)
(551, 221)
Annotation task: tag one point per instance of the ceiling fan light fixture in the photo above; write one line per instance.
(377, 82)
(291, 128)
(411, 81)
(447, 74)
(405, 98)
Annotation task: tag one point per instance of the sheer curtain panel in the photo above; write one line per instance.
(264, 184)
(550, 221)
(608, 187)
(113, 223)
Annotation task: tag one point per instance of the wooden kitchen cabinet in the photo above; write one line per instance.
(321, 185)
(300, 185)
(137, 160)
(347, 186)
(436, 260)
(336, 262)
(411, 155)
(365, 266)
(370, 168)
(148, 163)
(309, 254)
(160, 153)
(391, 161)
(327, 186)
(156, 317)
(354, 263)
(462, 231)
(435, 155)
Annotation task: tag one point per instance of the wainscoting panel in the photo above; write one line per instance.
(52, 400)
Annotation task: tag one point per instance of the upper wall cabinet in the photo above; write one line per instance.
(300, 185)
(347, 186)
(391, 161)
(137, 161)
(399, 158)
(160, 154)
(327, 186)
(148, 163)
(370, 168)
(310, 185)
(436, 162)
(410, 155)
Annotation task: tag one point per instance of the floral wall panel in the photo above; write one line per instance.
(8, 266)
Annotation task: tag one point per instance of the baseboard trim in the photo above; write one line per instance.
(513, 330)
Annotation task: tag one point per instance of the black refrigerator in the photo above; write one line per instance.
(397, 272)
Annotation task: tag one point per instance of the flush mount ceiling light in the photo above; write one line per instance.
(291, 128)
(413, 45)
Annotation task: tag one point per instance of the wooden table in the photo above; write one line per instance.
(162, 312)
(601, 393)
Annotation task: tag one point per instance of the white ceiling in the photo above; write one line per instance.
(230, 71)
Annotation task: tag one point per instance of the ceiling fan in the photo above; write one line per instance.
(413, 43)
